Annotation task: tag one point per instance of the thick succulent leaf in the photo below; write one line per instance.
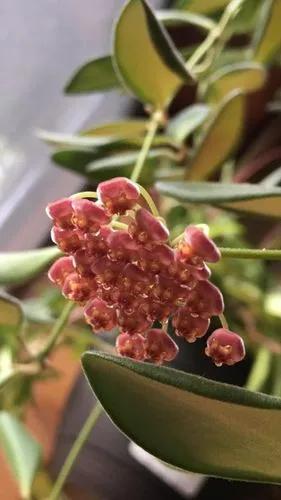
(245, 76)
(202, 6)
(267, 41)
(97, 75)
(146, 59)
(19, 267)
(75, 160)
(220, 138)
(187, 121)
(190, 422)
(21, 451)
(11, 313)
(250, 198)
(57, 139)
(176, 17)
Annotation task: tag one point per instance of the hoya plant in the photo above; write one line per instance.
(160, 250)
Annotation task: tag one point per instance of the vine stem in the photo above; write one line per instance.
(223, 321)
(75, 450)
(85, 194)
(156, 119)
(56, 331)
(149, 201)
(251, 253)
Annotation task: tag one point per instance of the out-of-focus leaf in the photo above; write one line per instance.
(37, 311)
(246, 19)
(267, 41)
(188, 421)
(121, 165)
(272, 303)
(97, 75)
(245, 76)
(6, 366)
(177, 17)
(74, 159)
(187, 121)
(250, 198)
(57, 139)
(11, 313)
(202, 6)
(260, 370)
(146, 58)
(19, 267)
(273, 179)
(121, 129)
(21, 451)
(220, 139)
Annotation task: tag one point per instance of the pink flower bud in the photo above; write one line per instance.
(205, 300)
(60, 270)
(159, 346)
(133, 323)
(132, 346)
(88, 216)
(118, 195)
(169, 291)
(96, 244)
(100, 315)
(134, 280)
(78, 289)
(121, 246)
(200, 244)
(146, 229)
(107, 272)
(225, 347)
(83, 261)
(160, 258)
(61, 212)
(68, 240)
(189, 327)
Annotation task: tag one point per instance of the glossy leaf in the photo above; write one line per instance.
(97, 75)
(176, 17)
(75, 160)
(187, 121)
(220, 138)
(190, 422)
(202, 6)
(18, 267)
(123, 128)
(250, 198)
(21, 451)
(57, 139)
(245, 76)
(147, 60)
(11, 313)
(7, 371)
(267, 41)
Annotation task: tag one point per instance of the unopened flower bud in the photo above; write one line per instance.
(78, 288)
(96, 244)
(160, 258)
(205, 300)
(121, 246)
(61, 212)
(60, 270)
(133, 323)
(196, 242)
(132, 346)
(118, 195)
(67, 240)
(159, 346)
(107, 272)
(83, 261)
(225, 347)
(100, 315)
(189, 327)
(88, 216)
(147, 229)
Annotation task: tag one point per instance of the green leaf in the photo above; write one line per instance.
(22, 452)
(18, 267)
(250, 198)
(74, 159)
(202, 6)
(97, 75)
(267, 41)
(245, 76)
(120, 129)
(57, 139)
(220, 138)
(121, 165)
(187, 121)
(188, 421)
(177, 17)
(11, 313)
(147, 60)
(7, 371)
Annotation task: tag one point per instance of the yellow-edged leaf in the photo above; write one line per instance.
(267, 41)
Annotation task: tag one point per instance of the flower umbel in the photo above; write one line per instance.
(130, 278)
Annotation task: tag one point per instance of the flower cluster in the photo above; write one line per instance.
(131, 277)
